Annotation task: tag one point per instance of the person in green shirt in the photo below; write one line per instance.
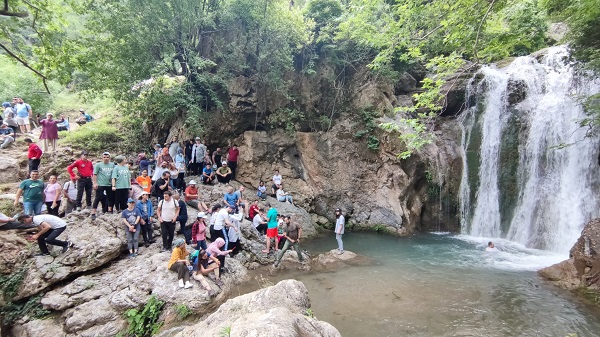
(102, 184)
(121, 183)
(271, 227)
(32, 191)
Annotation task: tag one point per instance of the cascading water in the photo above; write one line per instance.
(517, 183)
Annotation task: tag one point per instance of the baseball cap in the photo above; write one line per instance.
(224, 163)
(130, 200)
(198, 138)
(106, 153)
(202, 215)
(192, 182)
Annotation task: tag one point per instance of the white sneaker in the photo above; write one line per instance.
(188, 285)
(181, 283)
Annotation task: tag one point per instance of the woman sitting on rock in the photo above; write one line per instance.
(214, 249)
(283, 196)
(206, 264)
(179, 263)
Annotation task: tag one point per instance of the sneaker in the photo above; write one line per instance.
(93, 217)
(146, 244)
(181, 285)
(78, 209)
(341, 252)
(188, 285)
(131, 255)
(162, 250)
(275, 265)
(67, 247)
(219, 282)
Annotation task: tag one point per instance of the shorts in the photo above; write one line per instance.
(22, 120)
(271, 232)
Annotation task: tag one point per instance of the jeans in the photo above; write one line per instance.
(32, 207)
(50, 237)
(201, 245)
(167, 231)
(187, 232)
(286, 198)
(286, 246)
(261, 195)
(84, 184)
(338, 237)
(133, 238)
(7, 141)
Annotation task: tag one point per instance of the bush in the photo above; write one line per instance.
(143, 322)
(98, 135)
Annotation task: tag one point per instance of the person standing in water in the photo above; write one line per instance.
(340, 224)
(490, 247)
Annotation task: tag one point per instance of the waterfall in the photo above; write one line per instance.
(518, 182)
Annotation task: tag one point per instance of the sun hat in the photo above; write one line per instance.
(202, 215)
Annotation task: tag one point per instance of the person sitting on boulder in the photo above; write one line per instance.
(9, 116)
(192, 197)
(208, 175)
(283, 196)
(260, 222)
(62, 123)
(7, 135)
(262, 190)
(253, 210)
(224, 173)
(206, 264)
(179, 263)
(214, 249)
(231, 198)
(83, 118)
(49, 228)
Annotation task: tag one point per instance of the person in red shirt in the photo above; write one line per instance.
(85, 168)
(253, 210)
(232, 158)
(34, 154)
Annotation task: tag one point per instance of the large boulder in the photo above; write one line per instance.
(280, 310)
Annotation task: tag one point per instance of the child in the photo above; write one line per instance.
(131, 218)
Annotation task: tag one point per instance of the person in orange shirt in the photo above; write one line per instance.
(145, 181)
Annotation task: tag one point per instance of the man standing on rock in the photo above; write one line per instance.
(197, 160)
(103, 185)
(32, 191)
(182, 218)
(34, 154)
(232, 159)
(85, 168)
(292, 233)
(167, 211)
(340, 224)
(50, 227)
(271, 226)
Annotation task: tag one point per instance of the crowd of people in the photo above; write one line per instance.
(160, 193)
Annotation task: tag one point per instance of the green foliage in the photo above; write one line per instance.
(32, 308)
(98, 135)
(10, 284)
(144, 323)
(309, 313)
(380, 228)
(183, 311)
(583, 19)
(225, 332)
(286, 118)
(366, 126)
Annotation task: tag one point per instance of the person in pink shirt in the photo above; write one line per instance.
(52, 193)
(49, 131)
(199, 231)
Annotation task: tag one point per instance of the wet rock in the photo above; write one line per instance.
(279, 310)
(517, 91)
(334, 258)
(562, 274)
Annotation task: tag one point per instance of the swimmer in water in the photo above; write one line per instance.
(491, 247)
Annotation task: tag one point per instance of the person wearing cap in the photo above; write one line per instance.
(131, 218)
(85, 168)
(167, 211)
(232, 159)
(102, 184)
(49, 131)
(49, 228)
(197, 158)
(192, 197)
(208, 175)
(224, 173)
(34, 154)
(121, 182)
(7, 135)
(340, 224)
(144, 206)
(199, 231)
(24, 113)
(83, 117)
(179, 263)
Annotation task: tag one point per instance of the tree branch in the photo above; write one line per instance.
(479, 30)
(11, 54)
(8, 13)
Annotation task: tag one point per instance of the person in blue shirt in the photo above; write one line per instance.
(63, 124)
(231, 198)
(7, 135)
(208, 175)
(83, 118)
(24, 112)
(144, 206)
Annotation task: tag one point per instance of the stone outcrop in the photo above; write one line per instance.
(583, 268)
(280, 310)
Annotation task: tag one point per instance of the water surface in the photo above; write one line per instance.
(440, 285)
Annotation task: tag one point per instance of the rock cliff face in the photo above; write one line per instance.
(329, 170)
(583, 268)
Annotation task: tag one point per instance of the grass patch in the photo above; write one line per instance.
(144, 322)
(590, 295)
(99, 135)
(183, 311)
(32, 308)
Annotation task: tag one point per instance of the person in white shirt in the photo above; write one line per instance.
(277, 179)
(69, 191)
(167, 211)
(222, 223)
(340, 224)
(49, 227)
(491, 247)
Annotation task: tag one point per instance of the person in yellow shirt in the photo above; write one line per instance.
(179, 263)
(145, 181)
